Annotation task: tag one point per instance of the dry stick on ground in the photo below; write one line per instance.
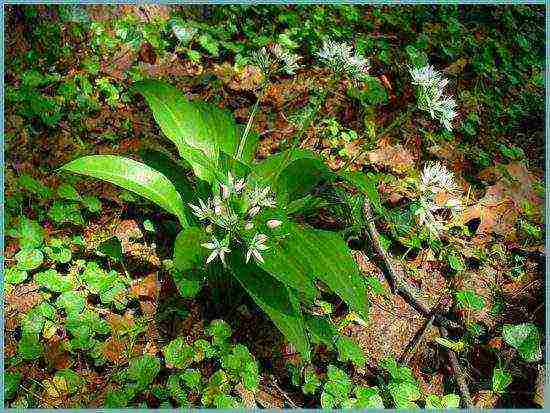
(397, 284)
(458, 373)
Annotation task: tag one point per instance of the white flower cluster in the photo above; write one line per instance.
(341, 58)
(430, 86)
(275, 58)
(437, 180)
(219, 212)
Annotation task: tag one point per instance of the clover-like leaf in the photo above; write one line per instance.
(143, 370)
(525, 338)
(29, 259)
(14, 275)
(178, 354)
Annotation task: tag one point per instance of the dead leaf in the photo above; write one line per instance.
(501, 206)
(395, 157)
(114, 351)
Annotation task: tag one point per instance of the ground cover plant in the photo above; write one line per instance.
(274, 206)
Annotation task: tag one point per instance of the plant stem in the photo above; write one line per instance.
(242, 142)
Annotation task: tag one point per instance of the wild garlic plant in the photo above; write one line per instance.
(439, 195)
(430, 85)
(238, 217)
(342, 60)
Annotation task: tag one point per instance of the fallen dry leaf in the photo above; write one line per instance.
(397, 158)
(501, 206)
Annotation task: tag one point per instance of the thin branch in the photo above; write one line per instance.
(458, 373)
(396, 282)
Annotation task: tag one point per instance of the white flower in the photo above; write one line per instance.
(227, 219)
(203, 211)
(289, 60)
(436, 178)
(273, 223)
(233, 186)
(340, 58)
(431, 85)
(217, 205)
(254, 211)
(248, 225)
(260, 197)
(273, 59)
(218, 250)
(256, 245)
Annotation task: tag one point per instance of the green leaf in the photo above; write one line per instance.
(291, 174)
(178, 354)
(29, 347)
(525, 338)
(58, 251)
(53, 281)
(368, 398)
(34, 186)
(307, 254)
(220, 332)
(133, 176)
(31, 234)
(73, 380)
(470, 300)
(61, 212)
(501, 379)
(404, 394)
(336, 389)
(189, 259)
(192, 379)
(11, 383)
(69, 192)
(111, 248)
(348, 350)
(311, 381)
(143, 370)
(191, 125)
(455, 262)
(29, 259)
(92, 203)
(73, 302)
(366, 185)
(14, 275)
(149, 226)
(275, 299)
(321, 331)
(449, 401)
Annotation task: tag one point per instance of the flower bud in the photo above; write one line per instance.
(273, 223)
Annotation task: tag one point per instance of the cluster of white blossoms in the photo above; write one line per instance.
(231, 211)
(275, 58)
(430, 86)
(436, 181)
(340, 58)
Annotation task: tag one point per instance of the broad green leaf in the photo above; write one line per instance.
(195, 125)
(143, 370)
(275, 299)
(291, 174)
(404, 394)
(349, 350)
(455, 262)
(307, 254)
(61, 212)
(220, 332)
(470, 300)
(337, 388)
(133, 176)
(501, 379)
(73, 381)
(58, 251)
(321, 331)
(34, 186)
(525, 338)
(449, 401)
(29, 259)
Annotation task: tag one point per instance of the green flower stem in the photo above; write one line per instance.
(242, 142)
